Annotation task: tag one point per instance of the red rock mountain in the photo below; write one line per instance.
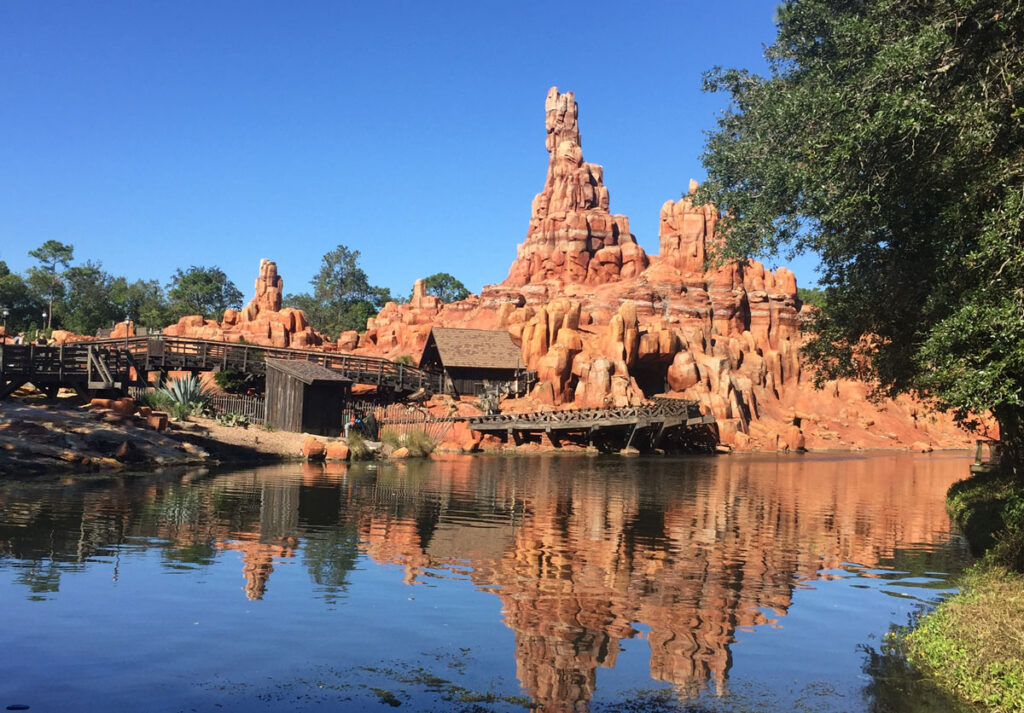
(605, 324)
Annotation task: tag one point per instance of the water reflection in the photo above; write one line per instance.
(583, 553)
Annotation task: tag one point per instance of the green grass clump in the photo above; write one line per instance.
(390, 437)
(155, 399)
(420, 444)
(357, 448)
(973, 644)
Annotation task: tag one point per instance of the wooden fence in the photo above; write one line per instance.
(402, 419)
(254, 408)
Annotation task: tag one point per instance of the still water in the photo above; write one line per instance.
(736, 583)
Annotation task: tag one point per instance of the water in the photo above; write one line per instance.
(478, 584)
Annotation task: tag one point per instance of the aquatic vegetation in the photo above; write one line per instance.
(974, 642)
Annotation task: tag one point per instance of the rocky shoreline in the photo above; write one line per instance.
(63, 437)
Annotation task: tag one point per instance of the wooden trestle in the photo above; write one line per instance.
(115, 364)
(658, 418)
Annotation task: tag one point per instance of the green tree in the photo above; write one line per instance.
(811, 296)
(143, 301)
(17, 297)
(888, 137)
(201, 290)
(87, 306)
(52, 256)
(445, 287)
(343, 298)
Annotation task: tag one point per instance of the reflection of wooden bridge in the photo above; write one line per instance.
(596, 424)
(115, 364)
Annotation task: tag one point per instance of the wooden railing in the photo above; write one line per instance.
(104, 362)
(661, 411)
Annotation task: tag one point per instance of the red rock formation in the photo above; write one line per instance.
(261, 322)
(604, 325)
(572, 237)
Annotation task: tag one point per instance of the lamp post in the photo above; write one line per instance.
(44, 326)
(127, 325)
(6, 313)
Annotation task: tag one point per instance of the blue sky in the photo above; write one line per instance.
(157, 135)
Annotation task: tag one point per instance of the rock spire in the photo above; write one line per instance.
(572, 238)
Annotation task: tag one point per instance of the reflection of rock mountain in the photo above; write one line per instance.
(693, 556)
(688, 550)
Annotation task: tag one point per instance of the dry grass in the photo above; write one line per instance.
(974, 643)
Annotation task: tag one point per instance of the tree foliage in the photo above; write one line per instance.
(88, 306)
(888, 137)
(201, 290)
(53, 256)
(343, 298)
(25, 309)
(445, 287)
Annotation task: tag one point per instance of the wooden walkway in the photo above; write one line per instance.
(656, 419)
(115, 364)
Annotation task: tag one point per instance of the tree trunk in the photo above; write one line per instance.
(1011, 439)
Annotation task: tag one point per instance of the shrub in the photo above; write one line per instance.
(233, 382)
(155, 399)
(403, 359)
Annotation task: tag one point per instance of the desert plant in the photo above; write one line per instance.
(186, 395)
(403, 359)
(232, 418)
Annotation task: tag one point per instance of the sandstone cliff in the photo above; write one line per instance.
(605, 324)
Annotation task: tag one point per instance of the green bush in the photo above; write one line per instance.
(233, 382)
(155, 399)
(403, 359)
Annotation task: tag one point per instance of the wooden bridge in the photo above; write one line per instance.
(115, 364)
(649, 423)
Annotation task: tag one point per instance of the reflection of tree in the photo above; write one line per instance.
(40, 578)
(329, 556)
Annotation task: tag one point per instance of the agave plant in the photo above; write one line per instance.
(187, 396)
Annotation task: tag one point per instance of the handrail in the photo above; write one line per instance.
(190, 352)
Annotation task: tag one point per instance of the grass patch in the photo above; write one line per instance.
(973, 644)
(357, 448)
(389, 437)
(419, 443)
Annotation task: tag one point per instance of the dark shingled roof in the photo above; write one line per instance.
(478, 348)
(305, 371)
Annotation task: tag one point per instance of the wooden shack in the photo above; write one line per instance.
(305, 397)
(472, 359)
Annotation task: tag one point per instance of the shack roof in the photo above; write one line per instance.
(476, 348)
(305, 371)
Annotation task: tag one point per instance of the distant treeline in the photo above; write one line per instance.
(57, 293)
